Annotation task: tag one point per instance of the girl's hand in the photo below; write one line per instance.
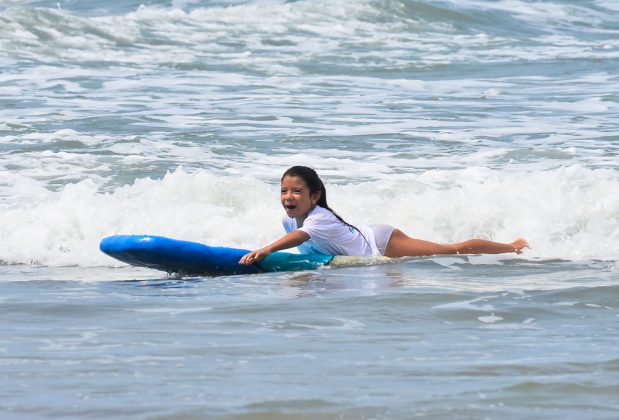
(289, 240)
(254, 256)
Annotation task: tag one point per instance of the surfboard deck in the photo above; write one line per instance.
(187, 258)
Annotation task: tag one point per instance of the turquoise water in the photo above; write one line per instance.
(447, 119)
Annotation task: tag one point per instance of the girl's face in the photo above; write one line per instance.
(296, 197)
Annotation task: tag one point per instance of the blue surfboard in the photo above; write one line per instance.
(195, 259)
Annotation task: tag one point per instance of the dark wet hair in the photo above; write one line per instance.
(314, 183)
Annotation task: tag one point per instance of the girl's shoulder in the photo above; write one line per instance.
(322, 216)
(321, 213)
(318, 217)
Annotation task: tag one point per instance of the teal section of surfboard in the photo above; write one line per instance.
(195, 259)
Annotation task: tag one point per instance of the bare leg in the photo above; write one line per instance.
(401, 245)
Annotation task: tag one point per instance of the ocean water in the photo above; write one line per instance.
(448, 119)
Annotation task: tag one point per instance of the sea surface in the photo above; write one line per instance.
(449, 119)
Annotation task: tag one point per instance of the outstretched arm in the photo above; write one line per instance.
(289, 240)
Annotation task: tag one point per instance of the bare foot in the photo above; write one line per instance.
(519, 244)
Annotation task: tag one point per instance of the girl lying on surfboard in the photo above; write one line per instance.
(313, 227)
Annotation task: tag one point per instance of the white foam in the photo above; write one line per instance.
(570, 213)
(542, 11)
(592, 105)
(608, 4)
(151, 36)
(468, 305)
(490, 318)
(64, 228)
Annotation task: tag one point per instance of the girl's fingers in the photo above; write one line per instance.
(248, 258)
(252, 257)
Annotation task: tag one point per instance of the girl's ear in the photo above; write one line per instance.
(314, 197)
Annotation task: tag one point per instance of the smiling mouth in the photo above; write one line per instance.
(290, 206)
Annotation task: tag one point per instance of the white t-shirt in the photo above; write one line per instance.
(329, 236)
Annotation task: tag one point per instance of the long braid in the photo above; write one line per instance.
(322, 202)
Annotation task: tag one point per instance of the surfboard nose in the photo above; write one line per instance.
(119, 243)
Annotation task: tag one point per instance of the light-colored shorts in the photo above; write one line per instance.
(382, 234)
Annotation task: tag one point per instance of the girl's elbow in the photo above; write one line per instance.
(301, 237)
